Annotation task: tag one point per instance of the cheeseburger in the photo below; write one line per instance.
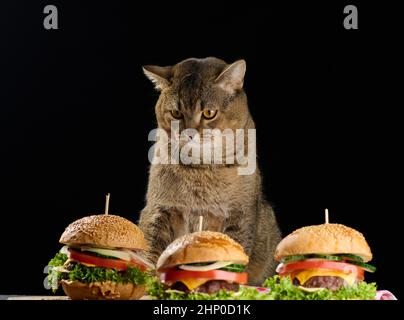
(101, 259)
(202, 265)
(326, 261)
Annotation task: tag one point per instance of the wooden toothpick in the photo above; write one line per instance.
(326, 216)
(107, 204)
(200, 223)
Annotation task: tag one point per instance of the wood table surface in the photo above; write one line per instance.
(25, 297)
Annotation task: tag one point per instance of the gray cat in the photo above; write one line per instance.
(207, 94)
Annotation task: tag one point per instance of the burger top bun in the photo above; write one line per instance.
(104, 230)
(324, 239)
(204, 246)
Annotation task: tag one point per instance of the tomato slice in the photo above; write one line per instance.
(118, 264)
(292, 267)
(175, 275)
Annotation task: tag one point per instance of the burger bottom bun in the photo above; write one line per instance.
(108, 290)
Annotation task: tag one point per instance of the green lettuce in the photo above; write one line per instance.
(58, 260)
(234, 267)
(282, 288)
(157, 291)
(85, 274)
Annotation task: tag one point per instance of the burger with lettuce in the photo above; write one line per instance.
(322, 262)
(101, 259)
(203, 266)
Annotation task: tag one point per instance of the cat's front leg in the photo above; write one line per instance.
(155, 224)
(238, 227)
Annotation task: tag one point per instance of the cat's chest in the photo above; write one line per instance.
(195, 188)
(184, 221)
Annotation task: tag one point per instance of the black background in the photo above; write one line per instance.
(75, 112)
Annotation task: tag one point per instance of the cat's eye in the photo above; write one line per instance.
(176, 114)
(209, 114)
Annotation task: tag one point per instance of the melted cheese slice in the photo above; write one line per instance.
(84, 264)
(87, 264)
(307, 274)
(193, 283)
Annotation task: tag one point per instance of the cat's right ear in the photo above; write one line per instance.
(160, 76)
(232, 77)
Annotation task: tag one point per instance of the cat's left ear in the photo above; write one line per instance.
(160, 76)
(232, 77)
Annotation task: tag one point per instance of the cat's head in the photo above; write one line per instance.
(200, 94)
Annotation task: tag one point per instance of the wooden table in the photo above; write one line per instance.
(22, 297)
(26, 297)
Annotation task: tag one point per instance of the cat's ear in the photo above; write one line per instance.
(160, 76)
(232, 77)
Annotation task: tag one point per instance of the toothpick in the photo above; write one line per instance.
(326, 216)
(200, 223)
(107, 204)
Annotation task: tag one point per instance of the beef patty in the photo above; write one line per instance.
(329, 282)
(211, 286)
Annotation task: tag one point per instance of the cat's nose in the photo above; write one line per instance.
(190, 134)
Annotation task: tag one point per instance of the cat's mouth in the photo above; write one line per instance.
(208, 149)
(192, 139)
(202, 143)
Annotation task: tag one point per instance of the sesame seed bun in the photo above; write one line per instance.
(324, 239)
(107, 231)
(108, 290)
(205, 246)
